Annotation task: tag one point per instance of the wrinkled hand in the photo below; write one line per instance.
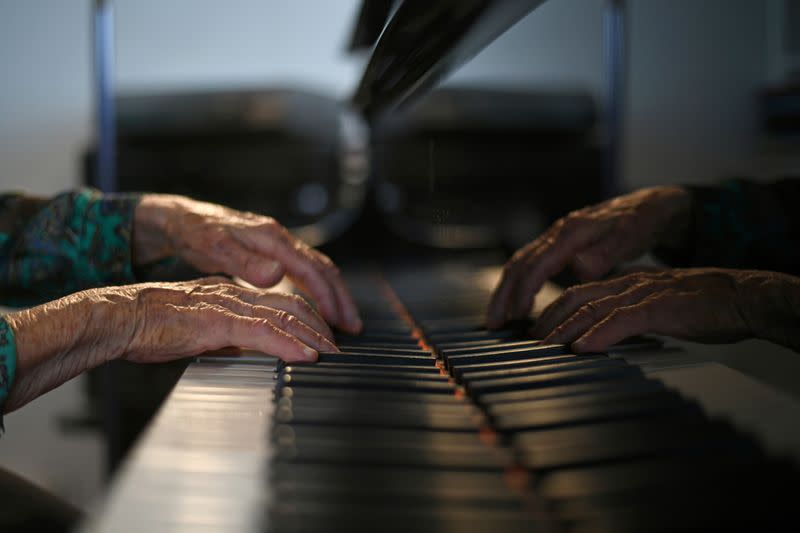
(213, 238)
(695, 304)
(157, 322)
(592, 241)
(174, 320)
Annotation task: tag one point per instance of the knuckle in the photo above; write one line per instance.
(591, 310)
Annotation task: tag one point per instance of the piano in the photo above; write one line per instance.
(428, 421)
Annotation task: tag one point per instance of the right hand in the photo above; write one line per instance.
(157, 322)
(592, 241)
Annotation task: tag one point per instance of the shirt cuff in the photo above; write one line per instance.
(8, 364)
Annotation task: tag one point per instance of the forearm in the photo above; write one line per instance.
(769, 302)
(151, 220)
(56, 342)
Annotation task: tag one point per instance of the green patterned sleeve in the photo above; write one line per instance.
(8, 363)
(77, 240)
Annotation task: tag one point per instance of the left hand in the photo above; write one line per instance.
(256, 248)
(700, 304)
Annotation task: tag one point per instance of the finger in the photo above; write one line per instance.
(220, 327)
(287, 320)
(272, 240)
(551, 257)
(499, 302)
(596, 310)
(294, 326)
(597, 260)
(643, 317)
(287, 302)
(573, 298)
(345, 303)
(236, 260)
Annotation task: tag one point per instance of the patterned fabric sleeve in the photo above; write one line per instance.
(742, 224)
(77, 240)
(8, 363)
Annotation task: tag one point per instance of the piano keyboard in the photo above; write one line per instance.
(427, 421)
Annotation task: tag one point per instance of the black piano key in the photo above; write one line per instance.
(650, 406)
(628, 440)
(544, 350)
(477, 375)
(456, 345)
(629, 383)
(360, 340)
(402, 437)
(336, 382)
(421, 369)
(589, 398)
(523, 363)
(305, 405)
(367, 395)
(316, 515)
(500, 334)
(314, 370)
(489, 347)
(375, 359)
(420, 418)
(480, 388)
(345, 348)
(366, 454)
(639, 475)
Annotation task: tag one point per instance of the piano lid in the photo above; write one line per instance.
(424, 41)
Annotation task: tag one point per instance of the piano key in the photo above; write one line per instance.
(419, 417)
(629, 383)
(362, 339)
(590, 398)
(502, 334)
(490, 347)
(375, 359)
(651, 405)
(478, 375)
(478, 389)
(367, 395)
(544, 350)
(421, 369)
(523, 363)
(383, 384)
(638, 475)
(628, 440)
(363, 453)
(361, 373)
(287, 434)
(304, 405)
(468, 344)
(345, 348)
(313, 516)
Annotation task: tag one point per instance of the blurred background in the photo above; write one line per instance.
(708, 88)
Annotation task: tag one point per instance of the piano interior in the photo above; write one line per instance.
(427, 421)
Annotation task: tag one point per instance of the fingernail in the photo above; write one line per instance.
(357, 324)
(311, 354)
(271, 268)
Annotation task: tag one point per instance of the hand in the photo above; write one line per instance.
(705, 304)
(156, 322)
(593, 241)
(256, 248)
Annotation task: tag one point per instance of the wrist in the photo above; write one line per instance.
(769, 302)
(677, 213)
(151, 241)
